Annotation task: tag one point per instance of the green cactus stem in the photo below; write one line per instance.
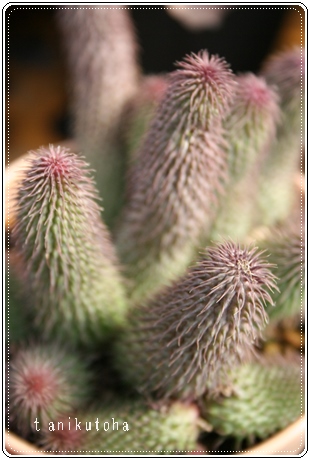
(173, 189)
(287, 253)
(71, 265)
(266, 397)
(101, 54)
(125, 428)
(46, 381)
(250, 129)
(181, 343)
(275, 197)
(140, 111)
(19, 317)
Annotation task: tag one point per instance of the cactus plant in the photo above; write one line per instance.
(266, 396)
(19, 316)
(182, 342)
(128, 427)
(140, 110)
(287, 253)
(173, 189)
(250, 129)
(72, 269)
(275, 196)
(102, 62)
(46, 381)
(169, 327)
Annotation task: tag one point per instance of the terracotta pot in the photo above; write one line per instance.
(290, 441)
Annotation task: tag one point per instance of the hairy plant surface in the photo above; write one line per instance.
(266, 397)
(70, 261)
(102, 63)
(181, 343)
(275, 195)
(250, 129)
(127, 428)
(173, 189)
(287, 253)
(46, 382)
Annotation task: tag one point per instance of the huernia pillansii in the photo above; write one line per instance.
(267, 395)
(182, 342)
(47, 381)
(250, 129)
(102, 63)
(77, 289)
(173, 190)
(128, 427)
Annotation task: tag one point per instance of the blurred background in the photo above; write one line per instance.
(38, 83)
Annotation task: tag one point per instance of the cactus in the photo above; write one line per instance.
(169, 328)
(46, 381)
(102, 63)
(173, 189)
(275, 196)
(287, 253)
(127, 428)
(19, 317)
(183, 341)
(267, 395)
(250, 128)
(77, 289)
(140, 111)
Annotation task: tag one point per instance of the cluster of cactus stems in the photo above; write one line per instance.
(175, 291)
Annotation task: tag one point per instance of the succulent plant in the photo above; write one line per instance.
(287, 253)
(182, 342)
(128, 427)
(102, 63)
(267, 395)
(46, 381)
(167, 325)
(250, 128)
(19, 317)
(275, 195)
(173, 189)
(140, 110)
(71, 265)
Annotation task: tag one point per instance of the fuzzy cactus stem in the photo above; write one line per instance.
(70, 261)
(266, 396)
(46, 381)
(101, 51)
(173, 189)
(182, 342)
(250, 129)
(140, 430)
(276, 189)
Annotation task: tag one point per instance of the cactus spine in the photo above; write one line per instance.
(181, 343)
(71, 265)
(182, 164)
